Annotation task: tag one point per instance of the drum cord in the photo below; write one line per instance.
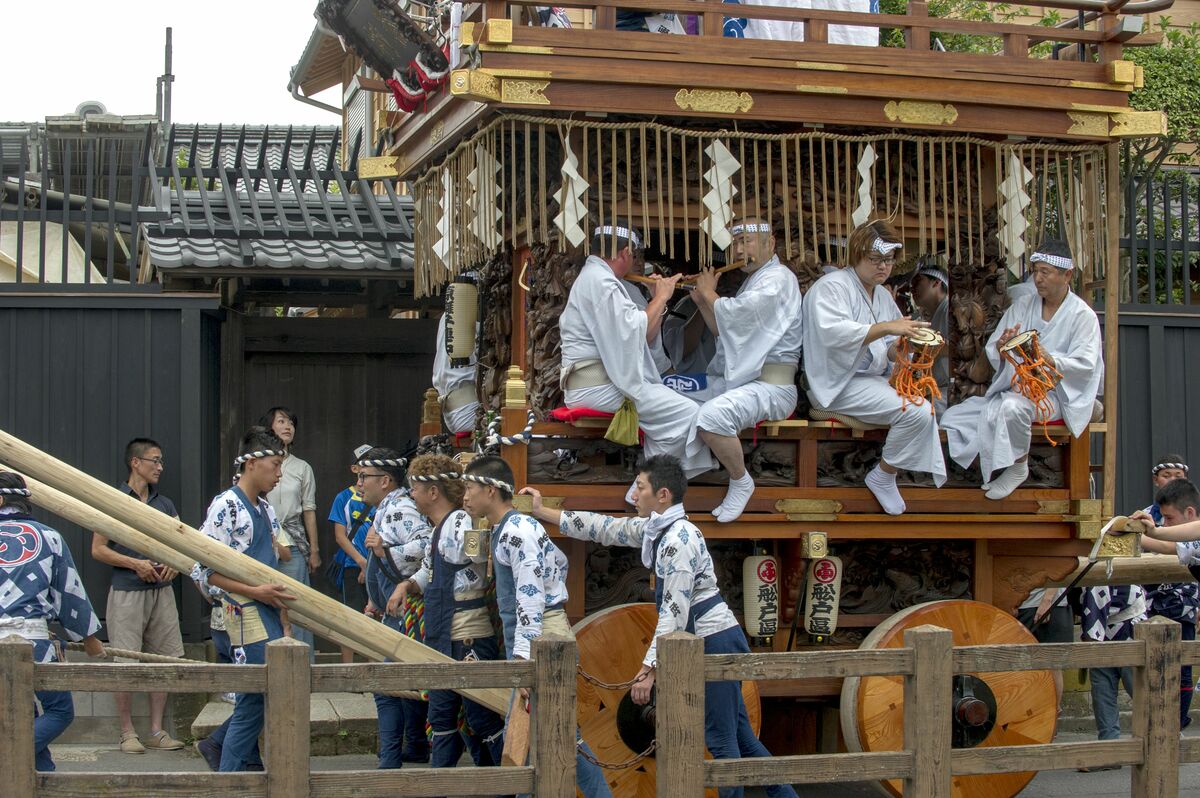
(632, 761)
(590, 679)
(1035, 379)
(913, 378)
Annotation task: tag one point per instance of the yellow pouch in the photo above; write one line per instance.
(623, 429)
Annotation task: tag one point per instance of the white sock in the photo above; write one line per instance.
(1009, 481)
(736, 498)
(883, 485)
(631, 494)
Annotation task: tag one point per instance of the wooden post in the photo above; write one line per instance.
(16, 714)
(513, 417)
(1112, 299)
(553, 716)
(679, 725)
(287, 711)
(927, 711)
(1156, 710)
(917, 38)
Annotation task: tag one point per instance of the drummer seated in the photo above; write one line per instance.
(997, 428)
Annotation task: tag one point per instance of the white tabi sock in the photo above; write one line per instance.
(1009, 481)
(631, 494)
(883, 485)
(736, 498)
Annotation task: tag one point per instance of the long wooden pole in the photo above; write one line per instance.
(1112, 327)
(367, 637)
(1147, 569)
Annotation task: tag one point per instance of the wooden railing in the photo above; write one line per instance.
(927, 662)
(288, 680)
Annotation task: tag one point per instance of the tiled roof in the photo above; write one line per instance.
(169, 252)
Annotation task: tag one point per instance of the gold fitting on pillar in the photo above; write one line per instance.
(814, 545)
(514, 388)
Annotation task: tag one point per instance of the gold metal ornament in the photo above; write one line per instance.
(714, 101)
(524, 92)
(1084, 123)
(914, 112)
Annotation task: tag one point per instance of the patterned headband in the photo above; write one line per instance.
(1057, 261)
(385, 463)
(1164, 466)
(882, 247)
(495, 483)
(24, 492)
(248, 456)
(934, 272)
(751, 227)
(619, 232)
(449, 476)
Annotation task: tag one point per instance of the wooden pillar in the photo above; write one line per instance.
(1156, 710)
(513, 417)
(287, 718)
(927, 711)
(288, 679)
(553, 716)
(519, 335)
(917, 38)
(16, 714)
(1112, 320)
(680, 716)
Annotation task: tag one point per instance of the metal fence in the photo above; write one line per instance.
(1160, 241)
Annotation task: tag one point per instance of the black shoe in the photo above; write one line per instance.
(211, 753)
(254, 767)
(1098, 768)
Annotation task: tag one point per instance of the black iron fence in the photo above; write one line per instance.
(1160, 241)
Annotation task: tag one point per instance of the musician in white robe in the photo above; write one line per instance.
(455, 385)
(640, 294)
(850, 325)
(752, 377)
(931, 294)
(996, 427)
(605, 358)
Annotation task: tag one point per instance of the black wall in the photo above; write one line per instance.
(83, 375)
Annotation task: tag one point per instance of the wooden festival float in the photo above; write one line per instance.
(515, 137)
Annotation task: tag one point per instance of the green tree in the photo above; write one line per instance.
(1172, 84)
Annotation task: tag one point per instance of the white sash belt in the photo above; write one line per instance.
(28, 628)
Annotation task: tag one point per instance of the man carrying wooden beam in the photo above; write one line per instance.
(686, 595)
(243, 520)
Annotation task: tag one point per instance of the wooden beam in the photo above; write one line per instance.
(1144, 570)
(1112, 330)
(16, 714)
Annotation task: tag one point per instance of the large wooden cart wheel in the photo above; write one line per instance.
(991, 709)
(612, 643)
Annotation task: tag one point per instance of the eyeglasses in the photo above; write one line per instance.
(158, 461)
(364, 477)
(882, 261)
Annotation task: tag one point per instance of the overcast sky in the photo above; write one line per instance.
(231, 59)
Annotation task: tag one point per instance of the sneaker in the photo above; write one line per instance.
(211, 753)
(228, 698)
(161, 741)
(130, 744)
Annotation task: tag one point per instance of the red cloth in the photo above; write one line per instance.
(570, 415)
(459, 436)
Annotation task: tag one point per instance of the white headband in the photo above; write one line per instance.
(449, 476)
(1164, 466)
(751, 227)
(15, 492)
(495, 483)
(619, 232)
(884, 248)
(1057, 261)
(248, 456)
(385, 463)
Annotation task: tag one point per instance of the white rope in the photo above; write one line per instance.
(257, 455)
(1153, 471)
(489, 481)
(494, 438)
(384, 463)
(449, 476)
(20, 492)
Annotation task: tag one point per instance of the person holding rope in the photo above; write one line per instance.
(39, 583)
(531, 582)
(851, 325)
(752, 377)
(397, 541)
(454, 585)
(242, 519)
(685, 593)
(606, 361)
(996, 427)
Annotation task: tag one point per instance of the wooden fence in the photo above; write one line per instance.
(927, 662)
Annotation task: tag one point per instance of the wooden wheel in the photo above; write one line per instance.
(1022, 706)
(612, 643)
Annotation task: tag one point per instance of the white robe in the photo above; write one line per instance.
(761, 324)
(846, 376)
(794, 31)
(447, 378)
(940, 322)
(996, 427)
(602, 324)
(637, 293)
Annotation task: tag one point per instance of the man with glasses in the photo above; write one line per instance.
(141, 612)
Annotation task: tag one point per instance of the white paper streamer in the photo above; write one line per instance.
(866, 193)
(444, 246)
(485, 193)
(572, 209)
(1013, 202)
(718, 202)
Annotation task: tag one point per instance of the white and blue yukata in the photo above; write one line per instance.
(39, 583)
(1109, 613)
(248, 527)
(531, 595)
(457, 623)
(688, 599)
(1179, 601)
(405, 534)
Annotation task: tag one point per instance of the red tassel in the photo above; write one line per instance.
(429, 78)
(408, 98)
